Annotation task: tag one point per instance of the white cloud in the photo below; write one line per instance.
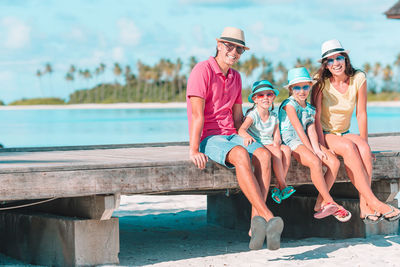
(198, 33)
(77, 34)
(200, 53)
(269, 44)
(129, 34)
(257, 27)
(358, 26)
(118, 54)
(17, 33)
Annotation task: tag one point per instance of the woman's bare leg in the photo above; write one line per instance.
(358, 175)
(366, 157)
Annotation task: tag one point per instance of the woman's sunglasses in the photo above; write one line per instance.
(330, 61)
(260, 96)
(240, 50)
(298, 88)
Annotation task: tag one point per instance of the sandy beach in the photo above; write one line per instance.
(172, 231)
(148, 106)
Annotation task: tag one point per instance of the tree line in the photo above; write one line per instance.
(165, 81)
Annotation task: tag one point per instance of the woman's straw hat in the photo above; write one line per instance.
(298, 75)
(330, 48)
(260, 86)
(234, 36)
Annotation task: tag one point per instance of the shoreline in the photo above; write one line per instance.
(148, 106)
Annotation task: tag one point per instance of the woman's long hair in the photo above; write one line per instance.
(323, 73)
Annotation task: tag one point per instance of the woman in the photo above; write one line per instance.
(338, 90)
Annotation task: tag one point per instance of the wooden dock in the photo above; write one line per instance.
(35, 173)
(77, 228)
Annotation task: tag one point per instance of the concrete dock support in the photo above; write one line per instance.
(297, 213)
(75, 231)
(52, 240)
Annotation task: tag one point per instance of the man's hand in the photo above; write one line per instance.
(199, 159)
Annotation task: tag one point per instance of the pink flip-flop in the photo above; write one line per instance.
(342, 215)
(325, 211)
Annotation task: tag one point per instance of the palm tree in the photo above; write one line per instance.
(49, 70)
(267, 72)
(39, 75)
(376, 71)
(250, 65)
(397, 64)
(192, 62)
(282, 72)
(117, 72)
(387, 78)
(69, 77)
(177, 77)
(87, 76)
(72, 69)
(102, 68)
(371, 82)
(129, 79)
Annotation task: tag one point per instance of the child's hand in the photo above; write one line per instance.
(248, 140)
(320, 154)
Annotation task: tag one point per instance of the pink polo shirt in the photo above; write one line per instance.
(220, 94)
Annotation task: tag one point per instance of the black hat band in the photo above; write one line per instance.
(261, 86)
(332, 50)
(233, 40)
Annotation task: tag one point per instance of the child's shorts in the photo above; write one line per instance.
(216, 147)
(292, 140)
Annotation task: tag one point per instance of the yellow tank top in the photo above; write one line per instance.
(337, 108)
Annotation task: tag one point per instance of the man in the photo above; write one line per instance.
(214, 102)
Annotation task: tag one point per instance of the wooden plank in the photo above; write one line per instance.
(135, 170)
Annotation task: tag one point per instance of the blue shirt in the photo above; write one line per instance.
(306, 115)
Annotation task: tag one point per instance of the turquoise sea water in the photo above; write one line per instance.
(64, 127)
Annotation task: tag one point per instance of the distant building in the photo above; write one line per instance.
(394, 11)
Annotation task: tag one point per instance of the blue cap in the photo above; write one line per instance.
(260, 86)
(298, 75)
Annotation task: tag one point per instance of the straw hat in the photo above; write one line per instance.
(234, 36)
(260, 86)
(298, 75)
(330, 48)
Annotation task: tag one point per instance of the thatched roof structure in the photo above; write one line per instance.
(394, 11)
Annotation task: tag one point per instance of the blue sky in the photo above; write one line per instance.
(88, 32)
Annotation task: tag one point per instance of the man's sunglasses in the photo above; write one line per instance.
(240, 50)
(298, 88)
(330, 61)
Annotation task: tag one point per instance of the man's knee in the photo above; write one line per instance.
(238, 155)
(262, 155)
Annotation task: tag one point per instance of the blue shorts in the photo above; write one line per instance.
(216, 147)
